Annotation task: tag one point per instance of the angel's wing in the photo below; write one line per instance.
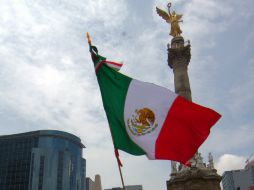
(179, 16)
(163, 14)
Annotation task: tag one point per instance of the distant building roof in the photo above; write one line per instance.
(128, 187)
(46, 133)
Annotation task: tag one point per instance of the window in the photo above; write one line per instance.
(31, 172)
(60, 170)
(41, 171)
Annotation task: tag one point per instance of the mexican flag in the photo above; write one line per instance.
(146, 119)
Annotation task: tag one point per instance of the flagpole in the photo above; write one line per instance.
(119, 166)
(116, 151)
(121, 177)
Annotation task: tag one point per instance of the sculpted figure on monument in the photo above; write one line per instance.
(171, 18)
(173, 167)
(200, 163)
(210, 161)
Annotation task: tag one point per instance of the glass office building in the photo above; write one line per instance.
(42, 160)
(242, 179)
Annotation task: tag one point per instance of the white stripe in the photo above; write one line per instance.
(146, 95)
(114, 66)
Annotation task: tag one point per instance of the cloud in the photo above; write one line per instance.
(242, 100)
(229, 162)
(41, 68)
(230, 138)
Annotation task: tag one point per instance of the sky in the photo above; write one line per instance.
(48, 80)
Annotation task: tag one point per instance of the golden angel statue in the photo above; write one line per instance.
(173, 19)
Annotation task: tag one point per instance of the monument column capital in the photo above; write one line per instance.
(179, 53)
(178, 59)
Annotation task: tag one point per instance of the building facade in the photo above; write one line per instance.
(242, 179)
(42, 160)
(90, 184)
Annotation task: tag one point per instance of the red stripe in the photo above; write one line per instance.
(113, 63)
(186, 127)
(98, 65)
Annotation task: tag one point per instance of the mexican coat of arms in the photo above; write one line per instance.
(142, 122)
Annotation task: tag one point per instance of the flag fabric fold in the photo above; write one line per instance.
(147, 119)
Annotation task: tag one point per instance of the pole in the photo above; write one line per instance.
(118, 163)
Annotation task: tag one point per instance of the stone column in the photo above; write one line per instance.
(178, 59)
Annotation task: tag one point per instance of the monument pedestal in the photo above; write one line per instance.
(195, 179)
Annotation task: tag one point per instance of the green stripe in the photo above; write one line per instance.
(114, 87)
(98, 59)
